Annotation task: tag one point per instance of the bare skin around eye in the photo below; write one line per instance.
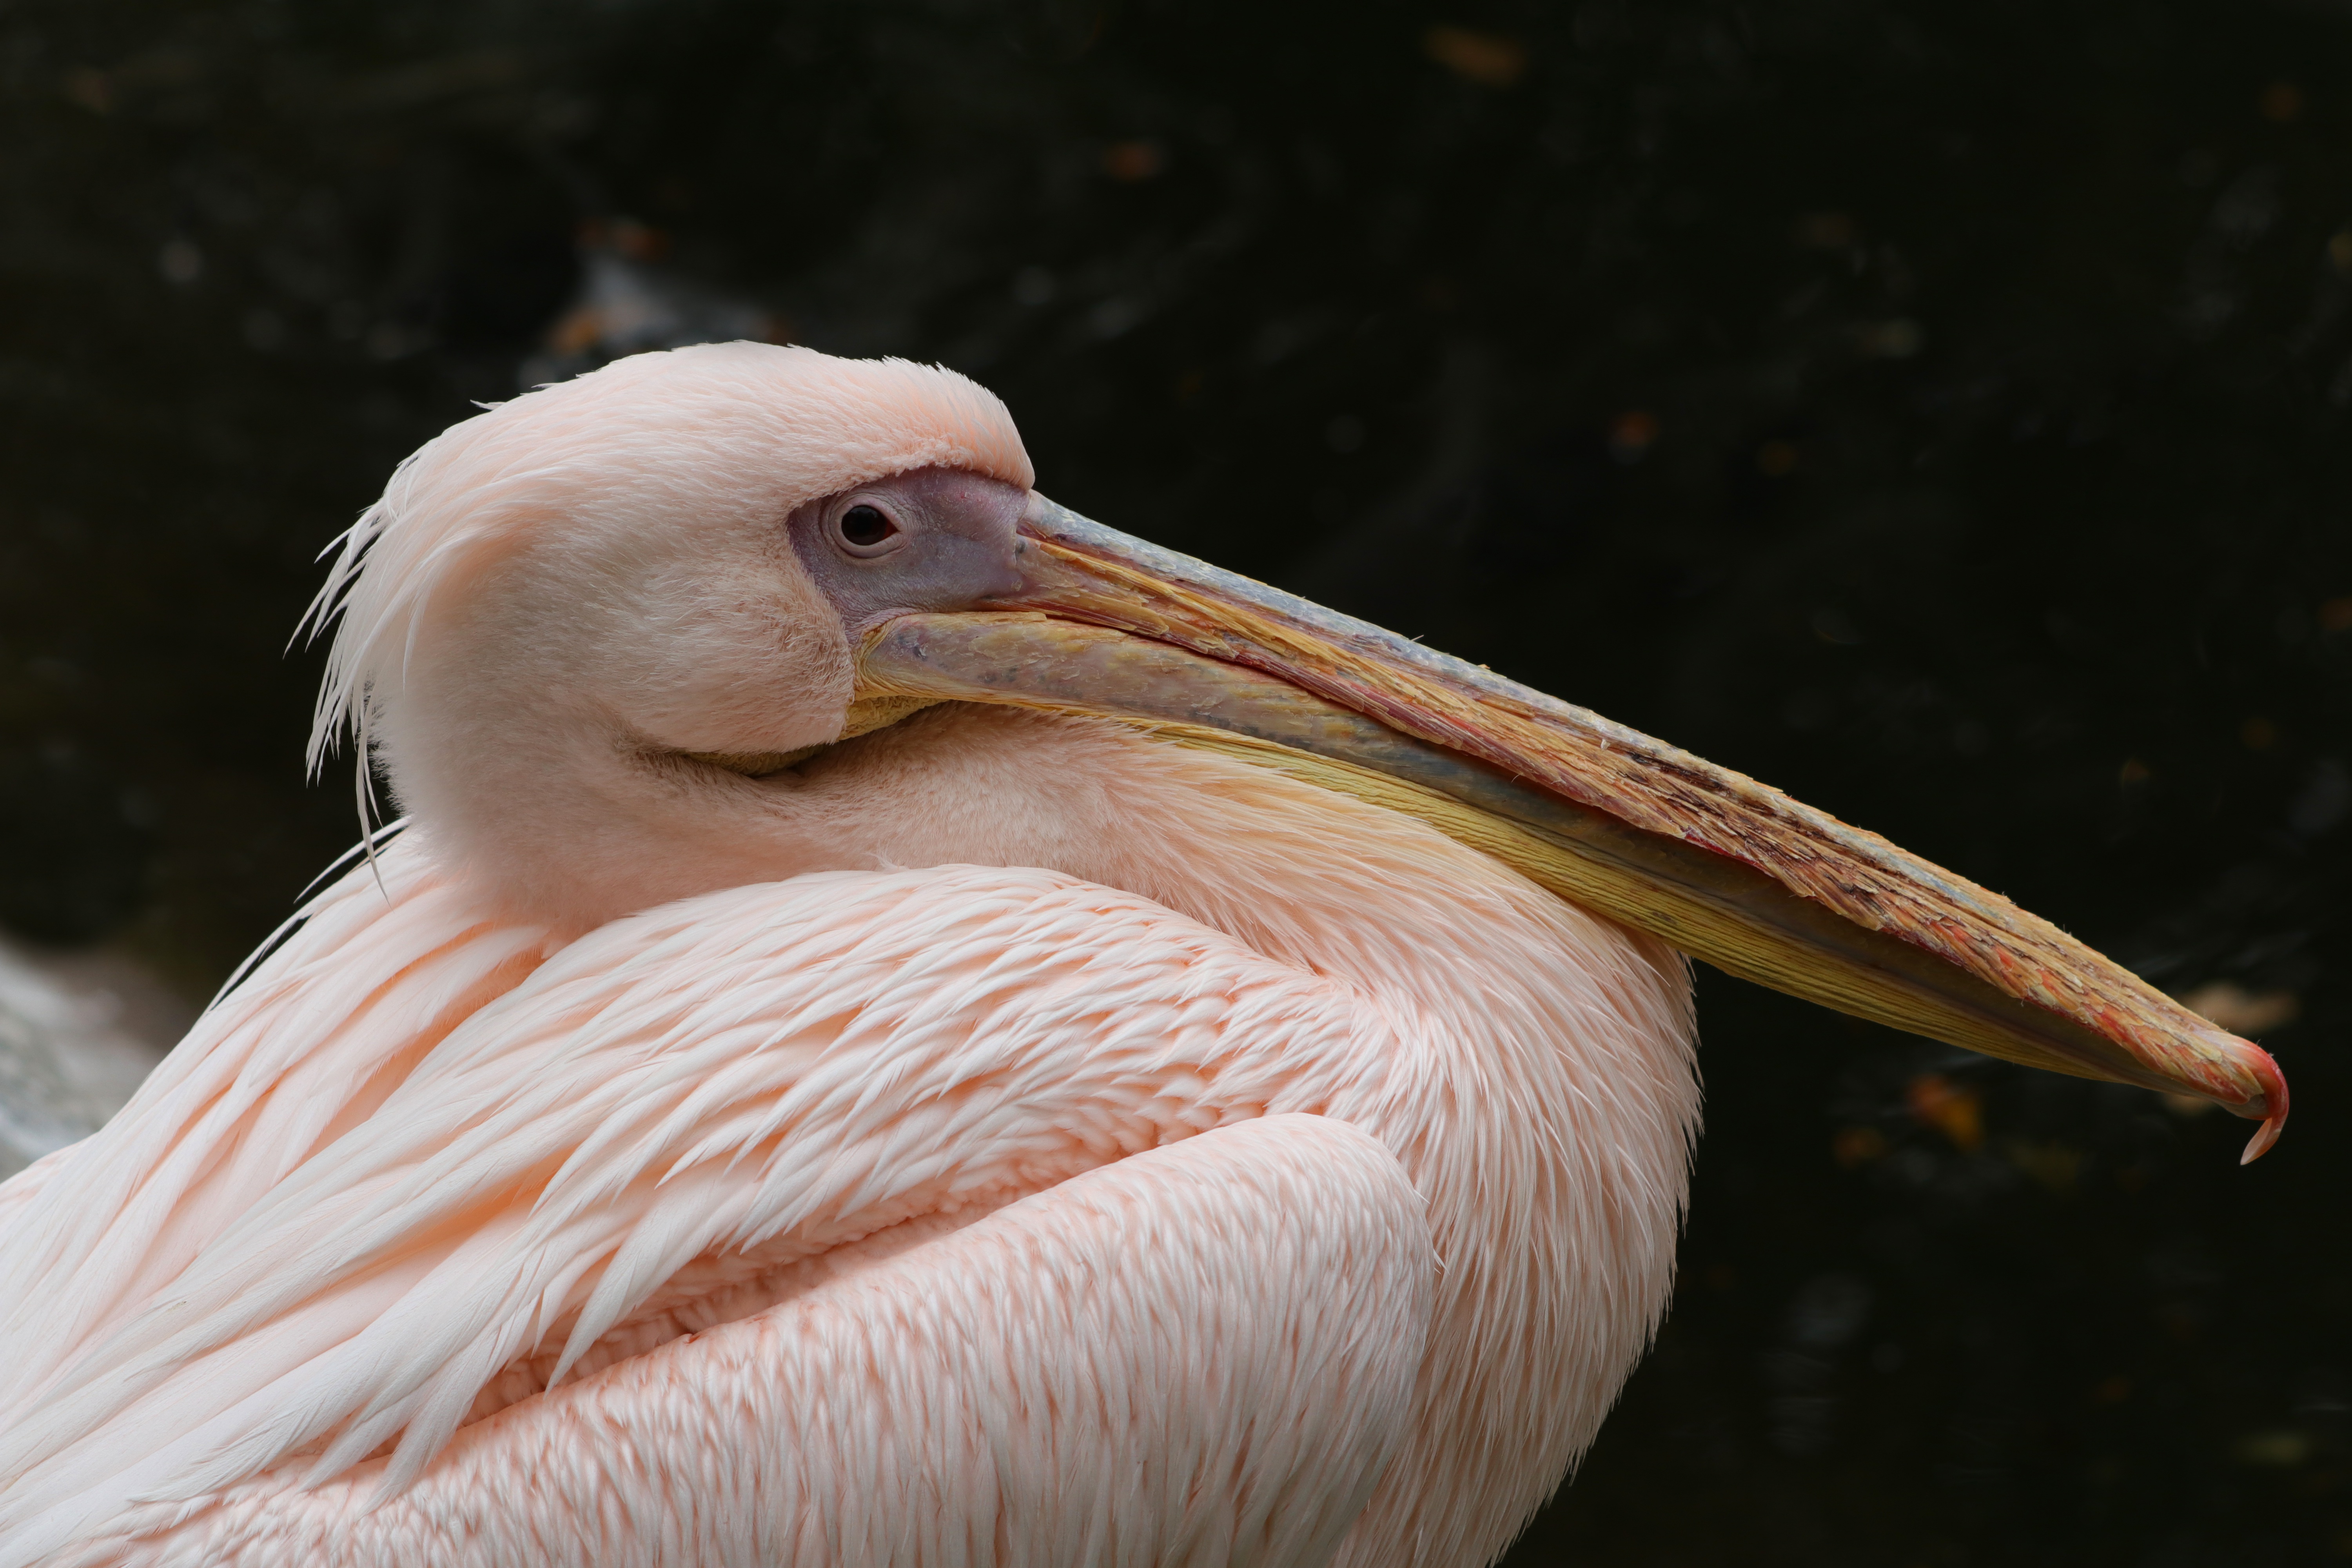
(929, 539)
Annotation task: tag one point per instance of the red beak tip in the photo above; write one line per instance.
(2273, 1101)
(2259, 1144)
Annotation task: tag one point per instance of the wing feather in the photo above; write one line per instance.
(1203, 1355)
(782, 1069)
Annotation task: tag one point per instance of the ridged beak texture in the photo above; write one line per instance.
(1718, 866)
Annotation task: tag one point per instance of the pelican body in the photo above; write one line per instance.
(900, 1025)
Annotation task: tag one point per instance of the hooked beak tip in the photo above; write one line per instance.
(2266, 1068)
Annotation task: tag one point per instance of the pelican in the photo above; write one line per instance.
(900, 1025)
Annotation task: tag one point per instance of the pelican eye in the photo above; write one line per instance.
(867, 530)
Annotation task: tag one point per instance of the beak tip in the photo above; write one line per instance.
(2265, 1070)
(2259, 1144)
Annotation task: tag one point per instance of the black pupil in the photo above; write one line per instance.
(866, 525)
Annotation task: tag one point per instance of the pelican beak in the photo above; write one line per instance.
(1711, 862)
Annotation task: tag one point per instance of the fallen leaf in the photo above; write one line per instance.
(1955, 1112)
(1487, 58)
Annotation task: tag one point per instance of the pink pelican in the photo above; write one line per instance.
(904, 1025)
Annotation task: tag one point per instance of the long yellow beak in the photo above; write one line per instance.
(1710, 861)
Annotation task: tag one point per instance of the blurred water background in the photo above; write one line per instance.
(1939, 408)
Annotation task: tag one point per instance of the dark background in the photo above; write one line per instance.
(1938, 409)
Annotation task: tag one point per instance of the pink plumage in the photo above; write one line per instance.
(1004, 1137)
(772, 1073)
(905, 1026)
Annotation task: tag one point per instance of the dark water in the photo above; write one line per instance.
(1937, 409)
